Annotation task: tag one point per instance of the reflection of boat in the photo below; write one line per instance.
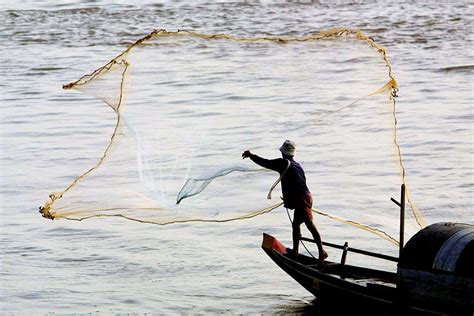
(435, 274)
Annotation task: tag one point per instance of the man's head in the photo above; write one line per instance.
(288, 148)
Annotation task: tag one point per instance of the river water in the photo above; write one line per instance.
(116, 266)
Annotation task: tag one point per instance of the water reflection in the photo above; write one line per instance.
(301, 307)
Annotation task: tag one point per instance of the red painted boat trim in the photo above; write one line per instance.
(270, 242)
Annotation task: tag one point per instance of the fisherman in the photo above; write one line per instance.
(295, 192)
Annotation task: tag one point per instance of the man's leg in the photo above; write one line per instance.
(296, 236)
(317, 238)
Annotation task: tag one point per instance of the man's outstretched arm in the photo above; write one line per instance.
(273, 164)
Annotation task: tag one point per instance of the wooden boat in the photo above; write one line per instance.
(435, 274)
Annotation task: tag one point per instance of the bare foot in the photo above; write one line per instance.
(323, 256)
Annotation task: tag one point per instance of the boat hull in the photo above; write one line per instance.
(344, 287)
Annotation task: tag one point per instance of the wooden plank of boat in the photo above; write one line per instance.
(313, 275)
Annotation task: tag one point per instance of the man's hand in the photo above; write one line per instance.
(246, 154)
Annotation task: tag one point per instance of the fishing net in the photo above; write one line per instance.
(187, 105)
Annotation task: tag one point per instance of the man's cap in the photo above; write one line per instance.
(288, 148)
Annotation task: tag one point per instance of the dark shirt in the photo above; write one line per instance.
(293, 183)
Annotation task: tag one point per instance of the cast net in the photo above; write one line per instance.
(187, 105)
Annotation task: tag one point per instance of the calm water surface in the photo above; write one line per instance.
(48, 137)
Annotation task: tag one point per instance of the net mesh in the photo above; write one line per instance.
(187, 104)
